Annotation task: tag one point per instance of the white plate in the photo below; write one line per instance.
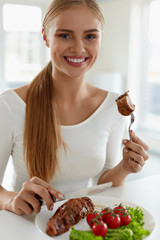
(44, 215)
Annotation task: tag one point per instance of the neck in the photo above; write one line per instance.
(67, 88)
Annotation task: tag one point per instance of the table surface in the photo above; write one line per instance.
(144, 192)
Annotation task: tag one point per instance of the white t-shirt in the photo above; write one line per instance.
(94, 145)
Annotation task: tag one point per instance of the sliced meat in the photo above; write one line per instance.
(124, 104)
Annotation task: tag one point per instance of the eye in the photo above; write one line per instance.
(90, 36)
(64, 35)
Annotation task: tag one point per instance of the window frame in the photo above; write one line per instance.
(138, 68)
(149, 135)
(42, 4)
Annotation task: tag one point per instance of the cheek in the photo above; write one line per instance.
(56, 50)
(94, 50)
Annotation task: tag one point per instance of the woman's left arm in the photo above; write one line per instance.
(135, 153)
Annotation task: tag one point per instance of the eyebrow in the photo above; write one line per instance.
(70, 31)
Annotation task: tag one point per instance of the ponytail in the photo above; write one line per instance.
(42, 132)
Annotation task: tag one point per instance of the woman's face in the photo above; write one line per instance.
(74, 38)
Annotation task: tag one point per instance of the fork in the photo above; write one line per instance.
(131, 122)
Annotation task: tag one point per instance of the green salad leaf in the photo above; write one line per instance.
(133, 231)
(137, 223)
(83, 235)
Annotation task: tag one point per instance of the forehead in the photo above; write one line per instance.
(79, 17)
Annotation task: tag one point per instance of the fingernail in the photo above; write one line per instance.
(60, 195)
(124, 141)
(125, 150)
(51, 208)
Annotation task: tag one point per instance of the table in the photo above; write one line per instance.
(144, 192)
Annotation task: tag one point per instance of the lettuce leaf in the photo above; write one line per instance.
(83, 235)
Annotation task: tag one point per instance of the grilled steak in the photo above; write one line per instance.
(68, 214)
(124, 104)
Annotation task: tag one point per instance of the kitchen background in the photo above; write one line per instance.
(129, 58)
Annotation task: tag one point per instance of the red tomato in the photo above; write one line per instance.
(106, 211)
(113, 221)
(91, 216)
(119, 210)
(125, 219)
(99, 229)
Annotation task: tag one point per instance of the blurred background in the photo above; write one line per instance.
(129, 57)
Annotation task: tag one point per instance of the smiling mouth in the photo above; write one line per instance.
(76, 60)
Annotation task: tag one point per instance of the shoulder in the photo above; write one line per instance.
(6, 113)
(5, 98)
(102, 94)
(22, 92)
(11, 105)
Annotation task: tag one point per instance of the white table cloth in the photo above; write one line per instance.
(144, 192)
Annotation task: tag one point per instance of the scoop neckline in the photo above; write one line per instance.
(90, 117)
(74, 125)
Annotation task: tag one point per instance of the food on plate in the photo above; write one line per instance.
(92, 216)
(99, 228)
(68, 214)
(124, 104)
(129, 229)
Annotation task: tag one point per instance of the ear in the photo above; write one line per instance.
(45, 39)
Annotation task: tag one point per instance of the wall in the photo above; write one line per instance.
(115, 44)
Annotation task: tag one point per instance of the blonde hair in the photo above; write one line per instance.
(42, 132)
(57, 6)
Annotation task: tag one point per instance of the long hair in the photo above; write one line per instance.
(42, 131)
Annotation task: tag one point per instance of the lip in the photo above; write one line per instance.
(73, 63)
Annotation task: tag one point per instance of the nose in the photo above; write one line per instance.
(78, 46)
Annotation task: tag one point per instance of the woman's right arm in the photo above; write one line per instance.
(6, 198)
(26, 201)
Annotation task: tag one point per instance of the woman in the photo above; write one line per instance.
(61, 131)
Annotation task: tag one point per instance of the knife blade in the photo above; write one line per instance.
(87, 191)
(81, 193)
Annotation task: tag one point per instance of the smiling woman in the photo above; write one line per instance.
(68, 40)
(60, 130)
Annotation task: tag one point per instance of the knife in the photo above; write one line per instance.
(80, 193)
(87, 191)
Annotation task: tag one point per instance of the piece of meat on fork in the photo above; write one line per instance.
(68, 214)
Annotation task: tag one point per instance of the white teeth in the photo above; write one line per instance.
(74, 60)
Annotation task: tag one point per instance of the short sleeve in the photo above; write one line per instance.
(6, 133)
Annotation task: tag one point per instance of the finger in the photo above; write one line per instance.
(27, 209)
(18, 211)
(33, 202)
(136, 157)
(22, 207)
(36, 189)
(54, 192)
(139, 141)
(130, 145)
(136, 167)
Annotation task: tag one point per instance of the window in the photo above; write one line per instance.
(144, 70)
(151, 74)
(152, 107)
(23, 52)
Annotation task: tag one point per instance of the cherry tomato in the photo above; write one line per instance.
(99, 229)
(125, 219)
(91, 216)
(119, 210)
(113, 221)
(106, 211)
